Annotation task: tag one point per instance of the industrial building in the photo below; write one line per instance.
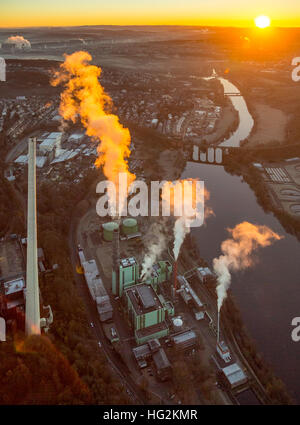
(185, 340)
(205, 274)
(145, 312)
(162, 365)
(145, 309)
(233, 376)
(152, 350)
(230, 373)
(190, 297)
(161, 272)
(128, 275)
(223, 351)
(96, 287)
(53, 140)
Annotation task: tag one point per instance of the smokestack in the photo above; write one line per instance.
(116, 249)
(218, 330)
(32, 309)
(175, 276)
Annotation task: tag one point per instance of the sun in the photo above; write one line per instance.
(262, 21)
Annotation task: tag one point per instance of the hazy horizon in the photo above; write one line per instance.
(16, 13)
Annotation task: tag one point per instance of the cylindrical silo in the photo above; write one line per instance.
(129, 226)
(108, 230)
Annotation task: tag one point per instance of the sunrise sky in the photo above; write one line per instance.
(147, 12)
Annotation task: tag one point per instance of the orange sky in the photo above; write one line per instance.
(147, 12)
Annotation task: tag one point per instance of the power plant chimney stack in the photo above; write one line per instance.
(175, 276)
(115, 262)
(116, 249)
(32, 319)
(218, 330)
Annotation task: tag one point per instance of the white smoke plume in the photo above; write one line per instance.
(181, 229)
(190, 199)
(157, 244)
(19, 41)
(238, 253)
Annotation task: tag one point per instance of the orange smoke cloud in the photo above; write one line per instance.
(237, 252)
(84, 97)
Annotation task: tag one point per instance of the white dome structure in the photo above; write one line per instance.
(177, 322)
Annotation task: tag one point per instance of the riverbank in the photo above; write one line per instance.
(270, 125)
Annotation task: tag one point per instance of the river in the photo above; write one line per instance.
(268, 294)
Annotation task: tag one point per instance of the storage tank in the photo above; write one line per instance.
(108, 230)
(129, 226)
(177, 323)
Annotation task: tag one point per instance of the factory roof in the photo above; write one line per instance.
(54, 135)
(161, 360)
(183, 337)
(40, 161)
(146, 296)
(127, 262)
(143, 298)
(65, 155)
(2, 330)
(234, 374)
(205, 271)
(93, 279)
(141, 351)
(14, 286)
(22, 159)
(76, 136)
(48, 143)
(154, 344)
(103, 304)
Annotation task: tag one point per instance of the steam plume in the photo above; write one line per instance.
(237, 253)
(19, 41)
(191, 196)
(157, 244)
(85, 97)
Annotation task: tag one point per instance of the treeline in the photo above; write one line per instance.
(11, 209)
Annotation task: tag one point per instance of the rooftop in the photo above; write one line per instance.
(234, 374)
(127, 262)
(14, 286)
(143, 299)
(141, 351)
(161, 360)
(65, 155)
(183, 337)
